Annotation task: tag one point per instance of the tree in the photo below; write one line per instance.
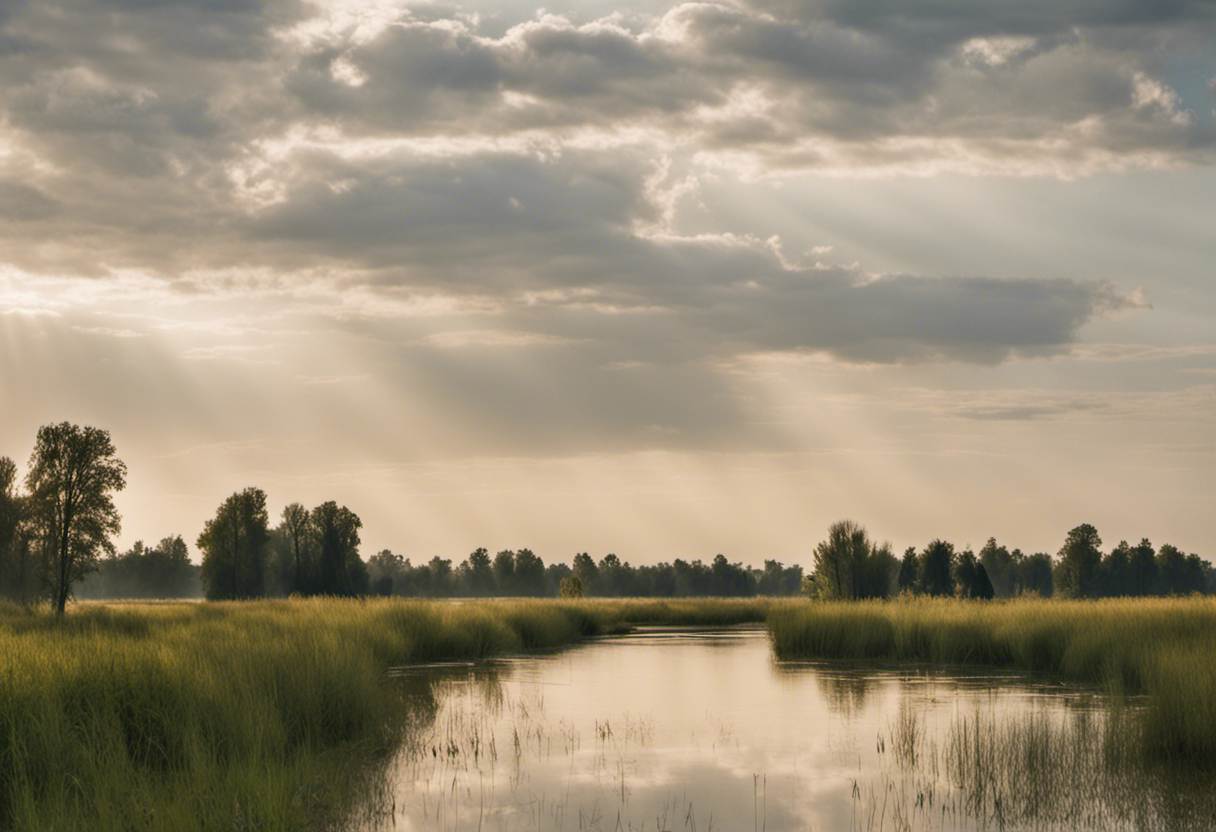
(504, 572)
(1079, 560)
(1115, 572)
(586, 571)
(982, 588)
(234, 545)
(529, 573)
(293, 531)
(74, 473)
(335, 534)
(849, 566)
(571, 587)
(386, 572)
(160, 571)
(971, 578)
(934, 574)
(907, 571)
(1142, 568)
(12, 512)
(1177, 573)
(999, 564)
(478, 574)
(1035, 575)
(965, 568)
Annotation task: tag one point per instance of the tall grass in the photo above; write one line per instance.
(1165, 648)
(243, 716)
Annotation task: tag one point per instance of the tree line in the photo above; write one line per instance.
(523, 572)
(57, 533)
(849, 565)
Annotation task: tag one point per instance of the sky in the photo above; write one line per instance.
(664, 280)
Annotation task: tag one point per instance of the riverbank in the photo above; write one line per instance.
(245, 715)
(1162, 647)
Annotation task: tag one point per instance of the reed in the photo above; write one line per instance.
(265, 715)
(1161, 647)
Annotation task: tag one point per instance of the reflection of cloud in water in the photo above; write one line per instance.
(681, 731)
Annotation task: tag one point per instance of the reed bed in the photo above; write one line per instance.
(1164, 648)
(230, 716)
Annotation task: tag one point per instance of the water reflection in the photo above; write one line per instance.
(687, 730)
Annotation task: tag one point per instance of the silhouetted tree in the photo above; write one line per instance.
(1177, 573)
(504, 572)
(982, 588)
(1080, 558)
(294, 535)
(586, 571)
(529, 573)
(386, 572)
(74, 473)
(234, 545)
(1035, 575)
(160, 571)
(934, 574)
(12, 519)
(849, 566)
(335, 530)
(478, 573)
(999, 564)
(964, 572)
(907, 571)
(1142, 568)
(774, 579)
(1114, 579)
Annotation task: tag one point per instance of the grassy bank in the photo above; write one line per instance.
(243, 716)
(1165, 648)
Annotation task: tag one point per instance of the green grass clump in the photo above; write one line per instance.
(1156, 646)
(234, 716)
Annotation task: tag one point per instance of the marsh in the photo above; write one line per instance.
(697, 729)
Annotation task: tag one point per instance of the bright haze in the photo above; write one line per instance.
(664, 280)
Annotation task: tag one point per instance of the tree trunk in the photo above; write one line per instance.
(61, 588)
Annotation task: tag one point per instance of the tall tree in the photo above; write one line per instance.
(1114, 579)
(12, 510)
(504, 572)
(934, 575)
(1142, 568)
(478, 575)
(74, 474)
(999, 564)
(336, 532)
(234, 544)
(907, 571)
(294, 532)
(1079, 560)
(529, 573)
(1173, 576)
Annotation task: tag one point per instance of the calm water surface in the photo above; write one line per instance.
(704, 730)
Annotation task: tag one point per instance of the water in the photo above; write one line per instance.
(704, 730)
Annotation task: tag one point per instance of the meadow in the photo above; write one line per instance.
(264, 715)
(1161, 648)
(276, 715)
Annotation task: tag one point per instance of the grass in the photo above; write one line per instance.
(1160, 647)
(244, 716)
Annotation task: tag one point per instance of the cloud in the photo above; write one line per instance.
(444, 188)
